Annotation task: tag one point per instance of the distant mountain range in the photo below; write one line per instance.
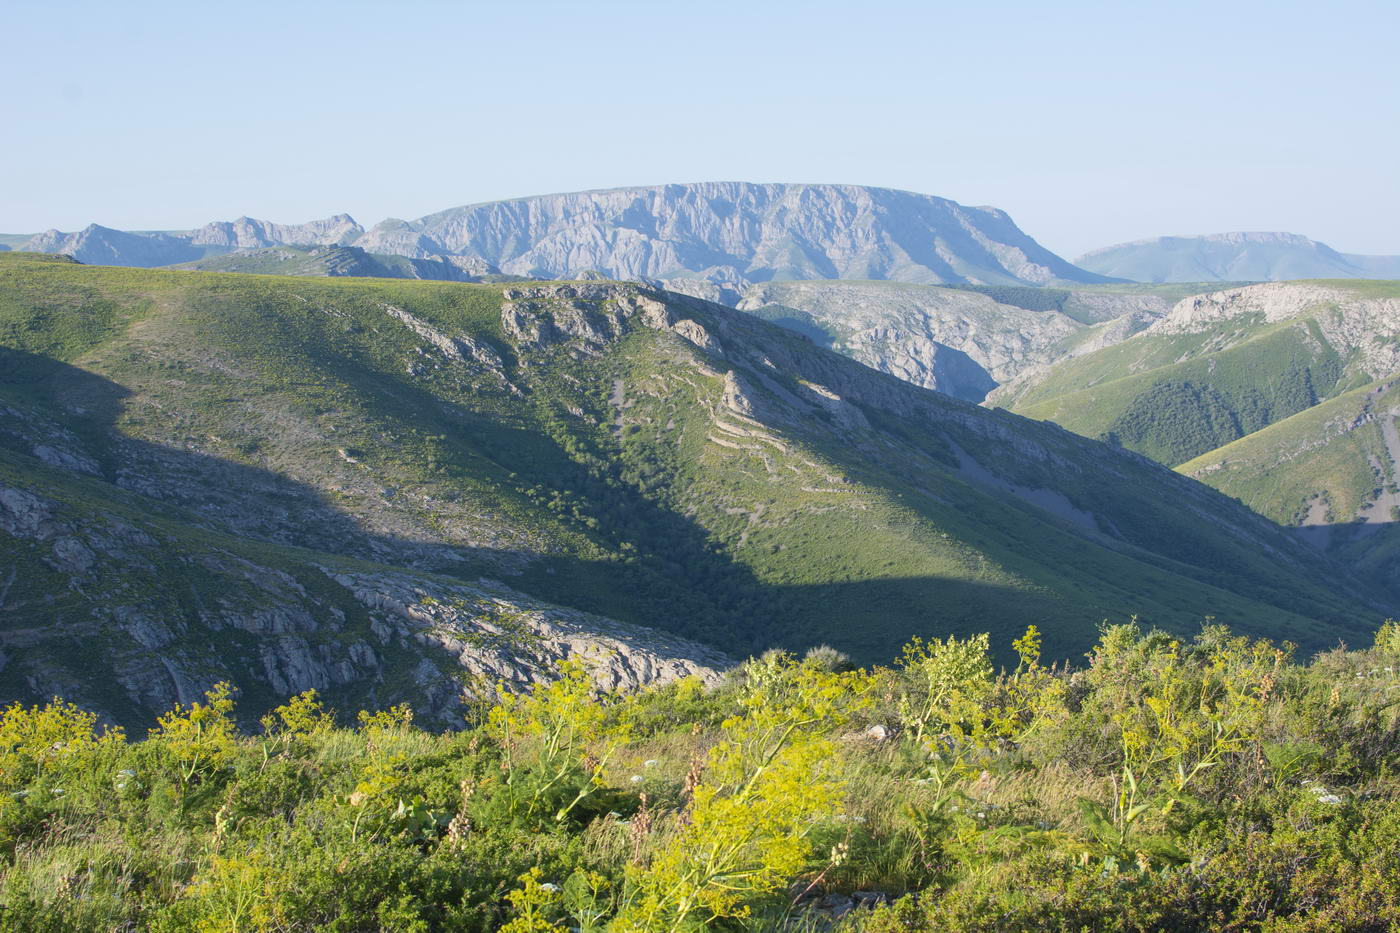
(727, 234)
(342, 261)
(102, 246)
(1234, 257)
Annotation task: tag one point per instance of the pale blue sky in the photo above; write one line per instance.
(1091, 123)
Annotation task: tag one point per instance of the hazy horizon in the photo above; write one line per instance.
(1089, 125)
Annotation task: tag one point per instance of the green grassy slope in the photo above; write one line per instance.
(1335, 450)
(1180, 390)
(1334, 468)
(1182, 399)
(650, 458)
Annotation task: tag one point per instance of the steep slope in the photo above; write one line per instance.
(341, 261)
(128, 605)
(736, 233)
(964, 341)
(626, 453)
(1222, 366)
(1234, 257)
(1337, 462)
(1333, 470)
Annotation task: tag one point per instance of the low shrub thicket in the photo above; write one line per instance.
(1210, 784)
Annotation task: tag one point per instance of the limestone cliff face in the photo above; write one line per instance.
(736, 233)
(959, 342)
(720, 235)
(1361, 328)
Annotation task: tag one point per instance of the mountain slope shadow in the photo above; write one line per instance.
(674, 578)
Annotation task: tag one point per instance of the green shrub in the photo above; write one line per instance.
(1169, 784)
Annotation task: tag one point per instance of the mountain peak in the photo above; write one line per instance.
(1255, 256)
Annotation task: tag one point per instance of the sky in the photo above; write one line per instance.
(1090, 123)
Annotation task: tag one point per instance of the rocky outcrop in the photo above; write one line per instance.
(592, 315)
(959, 342)
(498, 636)
(457, 348)
(1363, 329)
(276, 625)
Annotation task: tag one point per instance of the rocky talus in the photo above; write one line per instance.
(165, 617)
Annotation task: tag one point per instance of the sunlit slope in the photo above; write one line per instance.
(632, 453)
(1222, 366)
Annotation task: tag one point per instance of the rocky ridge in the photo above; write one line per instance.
(1353, 323)
(336, 261)
(98, 245)
(364, 634)
(959, 342)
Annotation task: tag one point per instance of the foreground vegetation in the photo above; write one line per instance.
(1215, 783)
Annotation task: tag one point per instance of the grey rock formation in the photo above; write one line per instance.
(1363, 329)
(400, 238)
(462, 641)
(334, 261)
(247, 233)
(735, 233)
(711, 240)
(959, 342)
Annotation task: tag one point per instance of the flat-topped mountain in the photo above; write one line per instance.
(1234, 257)
(738, 233)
